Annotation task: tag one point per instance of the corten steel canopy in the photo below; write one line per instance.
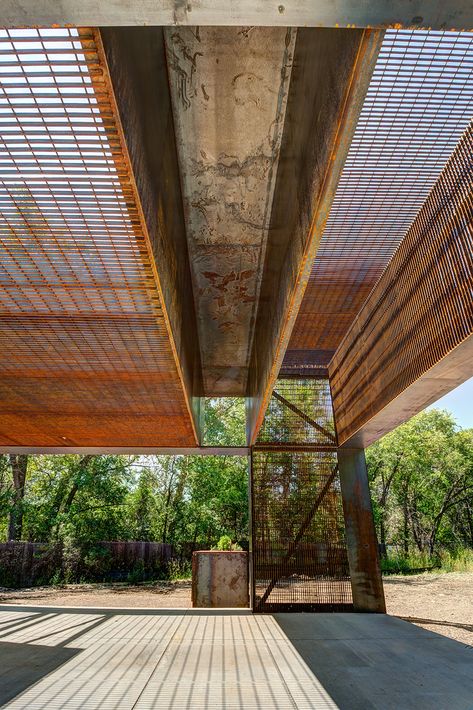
(412, 341)
(419, 102)
(86, 353)
(186, 210)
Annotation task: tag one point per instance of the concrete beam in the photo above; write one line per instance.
(330, 76)
(435, 14)
(412, 341)
(229, 90)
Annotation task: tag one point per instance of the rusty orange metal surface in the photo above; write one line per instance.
(220, 579)
(413, 339)
(419, 102)
(86, 356)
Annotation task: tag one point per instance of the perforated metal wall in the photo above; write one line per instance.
(416, 317)
(299, 556)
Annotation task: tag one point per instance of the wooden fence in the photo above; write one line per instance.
(25, 564)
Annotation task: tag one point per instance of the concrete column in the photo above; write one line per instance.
(363, 557)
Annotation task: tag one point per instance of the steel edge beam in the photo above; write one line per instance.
(450, 372)
(144, 225)
(130, 450)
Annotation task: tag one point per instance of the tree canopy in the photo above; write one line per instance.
(186, 501)
(421, 478)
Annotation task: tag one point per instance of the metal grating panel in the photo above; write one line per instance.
(299, 554)
(85, 356)
(299, 413)
(419, 102)
(420, 311)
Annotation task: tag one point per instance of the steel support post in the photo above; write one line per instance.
(363, 557)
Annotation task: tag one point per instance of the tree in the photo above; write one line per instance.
(83, 497)
(180, 500)
(421, 478)
(19, 465)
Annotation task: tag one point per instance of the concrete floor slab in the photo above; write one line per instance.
(133, 659)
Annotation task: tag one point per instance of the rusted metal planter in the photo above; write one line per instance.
(219, 579)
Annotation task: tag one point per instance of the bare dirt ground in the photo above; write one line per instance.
(158, 595)
(442, 603)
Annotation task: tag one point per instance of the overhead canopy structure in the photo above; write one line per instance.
(188, 211)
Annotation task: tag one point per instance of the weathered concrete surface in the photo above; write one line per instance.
(435, 14)
(140, 659)
(220, 579)
(229, 89)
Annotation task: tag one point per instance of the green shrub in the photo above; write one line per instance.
(138, 573)
(71, 560)
(460, 560)
(97, 562)
(57, 578)
(412, 563)
(225, 543)
(457, 561)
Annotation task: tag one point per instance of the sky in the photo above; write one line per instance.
(460, 403)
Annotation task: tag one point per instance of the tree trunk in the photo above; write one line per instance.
(405, 536)
(470, 522)
(19, 464)
(66, 503)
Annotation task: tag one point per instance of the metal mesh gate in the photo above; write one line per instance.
(299, 556)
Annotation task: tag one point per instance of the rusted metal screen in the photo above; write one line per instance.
(299, 556)
(414, 333)
(419, 102)
(86, 358)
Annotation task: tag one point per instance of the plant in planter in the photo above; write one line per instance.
(225, 544)
(220, 576)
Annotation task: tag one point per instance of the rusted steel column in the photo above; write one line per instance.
(363, 557)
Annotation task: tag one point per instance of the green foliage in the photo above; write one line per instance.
(97, 560)
(412, 563)
(79, 501)
(457, 561)
(225, 544)
(444, 561)
(421, 478)
(224, 421)
(138, 573)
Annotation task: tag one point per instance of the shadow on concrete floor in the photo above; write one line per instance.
(380, 662)
(23, 664)
(198, 659)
